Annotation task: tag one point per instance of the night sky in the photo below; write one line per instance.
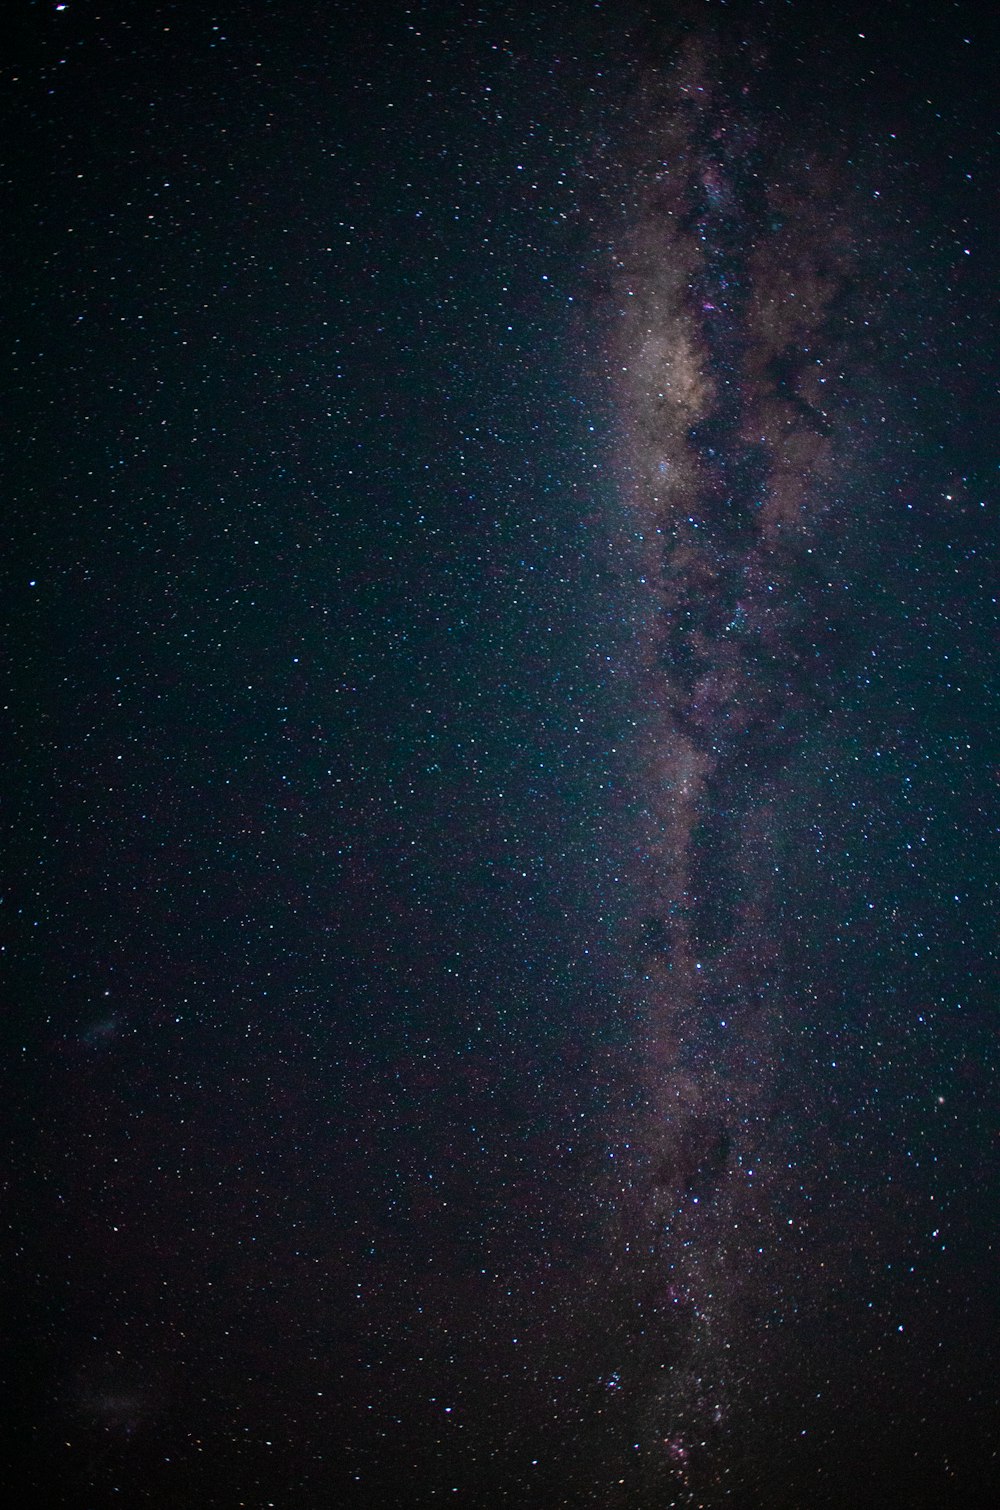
(501, 740)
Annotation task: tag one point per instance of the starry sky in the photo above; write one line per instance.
(500, 993)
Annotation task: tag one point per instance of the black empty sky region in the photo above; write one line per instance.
(500, 994)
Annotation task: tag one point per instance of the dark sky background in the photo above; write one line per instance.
(324, 620)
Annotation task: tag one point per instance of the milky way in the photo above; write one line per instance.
(734, 281)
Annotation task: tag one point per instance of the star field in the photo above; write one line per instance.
(501, 587)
